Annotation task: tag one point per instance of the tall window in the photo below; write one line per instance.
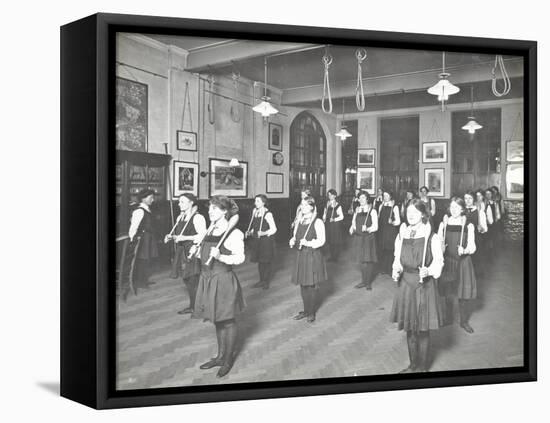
(308, 148)
(476, 159)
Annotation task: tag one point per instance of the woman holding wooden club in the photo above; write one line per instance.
(417, 264)
(309, 268)
(190, 226)
(219, 294)
(364, 226)
(458, 238)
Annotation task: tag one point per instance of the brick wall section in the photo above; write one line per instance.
(513, 220)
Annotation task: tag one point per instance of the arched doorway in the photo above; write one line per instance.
(308, 158)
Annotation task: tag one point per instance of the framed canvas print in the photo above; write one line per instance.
(434, 152)
(228, 180)
(366, 179)
(186, 141)
(274, 183)
(434, 180)
(166, 309)
(365, 157)
(186, 178)
(275, 137)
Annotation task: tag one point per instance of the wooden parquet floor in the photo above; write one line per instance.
(351, 336)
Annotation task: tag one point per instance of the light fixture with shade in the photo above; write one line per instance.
(443, 89)
(234, 162)
(343, 133)
(472, 126)
(264, 107)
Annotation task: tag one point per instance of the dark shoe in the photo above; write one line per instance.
(466, 326)
(409, 369)
(360, 285)
(311, 318)
(259, 284)
(369, 288)
(187, 310)
(301, 315)
(213, 362)
(265, 286)
(224, 369)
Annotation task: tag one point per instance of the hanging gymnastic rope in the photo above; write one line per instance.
(327, 60)
(234, 111)
(210, 107)
(186, 103)
(360, 54)
(499, 62)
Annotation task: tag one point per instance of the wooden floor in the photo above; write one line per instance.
(352, 335)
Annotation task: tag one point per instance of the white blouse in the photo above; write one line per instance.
(234, 243)
(373, 217)
(422, 231)
(338, 211)
(320, 239)
(470, 245)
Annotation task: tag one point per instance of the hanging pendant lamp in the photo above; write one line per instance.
(472, 126)
(343, 133)
(264, 107)
(443, 89)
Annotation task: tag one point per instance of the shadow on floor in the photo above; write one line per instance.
(51, 387)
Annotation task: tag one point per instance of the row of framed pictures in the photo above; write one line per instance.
(187, 140)
(223, 179)
(434, 179)
(432, 152)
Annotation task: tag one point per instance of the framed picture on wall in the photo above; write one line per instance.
(514, 181)
(186, 178)
(366, 157)
(228, 180)
(514, 151)
(274, 183)
(366, 177)
(186, 141)
(131, 115)
(275, 137)
(434, 152)
(434, 179)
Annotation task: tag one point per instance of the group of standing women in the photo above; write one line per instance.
(429, 266)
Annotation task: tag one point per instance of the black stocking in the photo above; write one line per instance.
(191, 283)
(412, 344)
(423, 350)
(230, 335)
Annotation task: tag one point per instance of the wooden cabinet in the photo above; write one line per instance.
(136, 171)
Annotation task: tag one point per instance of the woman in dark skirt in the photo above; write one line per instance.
(333, 216)
(458, 240)
(304, 194)
(418, 263)
(409, 195)
(363, 230)
(477, 218)
(219, 295)
(355, 201)
(388, 226)
(493, 219)
(190, 227)
(309, 268)
(262, 242)
(379, 198)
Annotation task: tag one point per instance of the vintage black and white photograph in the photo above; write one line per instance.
(352, 254)
(186, 141)
(186, 178)
(365, 157)
(434, 152)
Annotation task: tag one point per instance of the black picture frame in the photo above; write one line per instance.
(87, 308)
(364, 151)
(213, 174)
(176, 182)
(184, 136)
(275, 138)
(268, 189)
(445, 158)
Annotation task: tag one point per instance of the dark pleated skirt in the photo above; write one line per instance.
(459, 278)
(309, 267)
(416, 306)
(334, 233)
(219, 295)
(147, 247)
(387, 234)
(262, 250)
(364, 247)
